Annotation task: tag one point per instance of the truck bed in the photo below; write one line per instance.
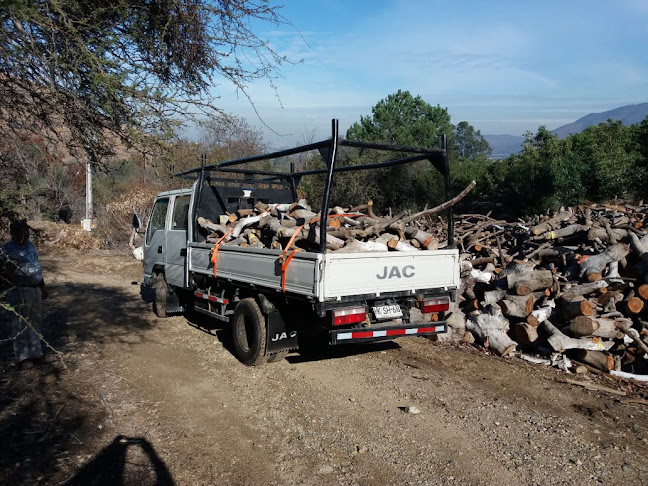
(331, 276)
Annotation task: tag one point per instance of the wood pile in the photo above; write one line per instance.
(349, 229)
(575, 283)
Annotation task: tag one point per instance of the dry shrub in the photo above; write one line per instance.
(63, 236)
(114, 222)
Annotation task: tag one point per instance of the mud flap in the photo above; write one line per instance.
(173, 301)
(279, 336)
(147, 293)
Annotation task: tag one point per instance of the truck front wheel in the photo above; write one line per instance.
(249, 333)
(161, 290)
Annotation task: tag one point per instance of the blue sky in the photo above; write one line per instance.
(504, 66)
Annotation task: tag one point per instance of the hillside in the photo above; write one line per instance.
(628, 115)
(505, 145)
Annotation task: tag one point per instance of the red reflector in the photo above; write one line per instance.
(436, 305)
(349, 316)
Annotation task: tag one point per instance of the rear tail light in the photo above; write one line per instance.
(438, 304)
(350, 315)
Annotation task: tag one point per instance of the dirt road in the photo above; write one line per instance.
(162, 401)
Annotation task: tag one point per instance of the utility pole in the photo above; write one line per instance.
(87, 223)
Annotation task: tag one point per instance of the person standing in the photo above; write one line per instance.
(20, 266)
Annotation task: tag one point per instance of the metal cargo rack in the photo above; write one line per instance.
(289, 181)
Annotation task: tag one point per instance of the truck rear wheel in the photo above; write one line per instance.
(249, 333)
(161, 290)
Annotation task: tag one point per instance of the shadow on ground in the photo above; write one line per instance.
(47, 413)
(126, 460)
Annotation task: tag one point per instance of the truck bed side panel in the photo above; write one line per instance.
(259, 267)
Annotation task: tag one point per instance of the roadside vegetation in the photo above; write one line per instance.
(117, 92)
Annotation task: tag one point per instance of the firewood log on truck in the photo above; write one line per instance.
(240, 247)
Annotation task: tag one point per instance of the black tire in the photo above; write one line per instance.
(249, 333)
(161, 290)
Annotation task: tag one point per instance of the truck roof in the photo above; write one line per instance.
(174, 192)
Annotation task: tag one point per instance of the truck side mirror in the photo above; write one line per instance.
(137, 221)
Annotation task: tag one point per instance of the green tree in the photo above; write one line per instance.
(545, 174)
(610, 152)
(470, 143)
(402, 119)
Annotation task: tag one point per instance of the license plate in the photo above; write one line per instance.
(387, 312)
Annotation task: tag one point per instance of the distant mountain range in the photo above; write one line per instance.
(505, 145)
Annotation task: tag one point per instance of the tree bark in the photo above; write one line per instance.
(491, 329)
(581, 326)
(584, 289)
(524, 333)
(559, 342)
(600, 360)
(526, 282)
(595, 264)
(551, 223)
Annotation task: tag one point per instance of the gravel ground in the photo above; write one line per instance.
(141, 400)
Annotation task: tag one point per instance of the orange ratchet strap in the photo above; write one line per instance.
(286, 260)
(214, 258)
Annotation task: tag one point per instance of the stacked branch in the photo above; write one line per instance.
(574, 283)
(349, 229)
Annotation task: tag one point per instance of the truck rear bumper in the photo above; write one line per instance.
(381, 333)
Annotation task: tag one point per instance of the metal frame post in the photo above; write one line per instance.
(446, 166)
(330, 165)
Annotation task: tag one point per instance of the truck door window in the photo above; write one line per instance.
(180, 213)
(158, 218)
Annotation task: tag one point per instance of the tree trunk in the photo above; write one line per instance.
(552, 223)
(559, 342)
(526, 282)
(491, 329)
(524, 333)
(514, 306)
(601, 360)
(584, 289)
(538, 316)
(595, 264)
(581, 326)
(567, 310)
(427, 241)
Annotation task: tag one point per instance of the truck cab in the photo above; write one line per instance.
(165, 241)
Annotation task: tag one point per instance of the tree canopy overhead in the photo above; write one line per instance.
(91, 73)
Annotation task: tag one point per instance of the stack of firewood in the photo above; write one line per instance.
(350, 229)
(574, 283)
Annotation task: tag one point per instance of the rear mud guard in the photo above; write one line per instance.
(280, 337)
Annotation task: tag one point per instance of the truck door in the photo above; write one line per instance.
(175, 254)
(155, 241)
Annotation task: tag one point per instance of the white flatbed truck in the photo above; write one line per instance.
(322, 296)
